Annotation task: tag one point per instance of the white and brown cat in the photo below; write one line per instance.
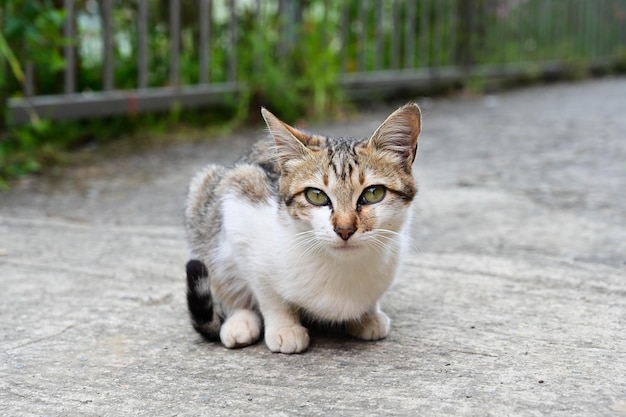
(303, 226)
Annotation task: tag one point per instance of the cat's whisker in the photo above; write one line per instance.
(307, 234)
(387, 232)
(312, 249)
(305, 244)
(379, 246)
(414, 245)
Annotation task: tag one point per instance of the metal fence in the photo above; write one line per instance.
(146, 55)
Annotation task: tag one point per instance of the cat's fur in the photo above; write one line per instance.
(264, 254)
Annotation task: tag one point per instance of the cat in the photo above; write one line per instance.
(304, 226)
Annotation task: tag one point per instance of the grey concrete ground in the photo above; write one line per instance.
(514, 302)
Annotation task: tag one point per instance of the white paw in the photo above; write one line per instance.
(289, 339)
(241, 329)
(371, 327)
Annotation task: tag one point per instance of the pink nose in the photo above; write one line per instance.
(345, 232)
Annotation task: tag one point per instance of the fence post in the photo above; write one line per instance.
(466, 12)
(205, 39)
(68, 49)
(107, 26)
(4, 86)
(142, 47)
(232, 36)
(290, 12)
(174, 35)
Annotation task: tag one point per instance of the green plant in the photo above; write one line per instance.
(295, 77)
(32, 34)
(17, 151)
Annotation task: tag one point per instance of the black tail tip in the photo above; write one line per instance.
(200, 302)
(196, 270)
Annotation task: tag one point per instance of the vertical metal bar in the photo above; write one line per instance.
(345, 35)
(4, 74)
(409, 35)
(451, 32)
(582, 30)
(395, 35)
(520, 33)
(232, 35)
(68, 49)
(107, 26)
(174, 42)
(283, 17)
(544, 36)
(622, 32)
(559, 15)
(205, 29)
(505, 37)
(595, 38)
(587, 13)
(142, 55)
(425, 34)
(290, 14)
(532, 31)
(29, 79)
(554, 33)
(379, 53)
(602, 34)
(362, 41)
(437, 38)
(594, 29)
(257, 54)
(466, 36)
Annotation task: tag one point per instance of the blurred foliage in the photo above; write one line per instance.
(292, 65)
(31, 36)
(32, 31)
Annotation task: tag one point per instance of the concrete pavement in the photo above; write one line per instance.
(513, 303)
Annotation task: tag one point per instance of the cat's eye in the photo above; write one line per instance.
(316, 197)
(373, 194)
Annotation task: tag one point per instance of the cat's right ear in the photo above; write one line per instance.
(397, 135)
(290, 142)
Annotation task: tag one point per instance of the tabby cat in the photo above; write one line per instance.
(304, 226)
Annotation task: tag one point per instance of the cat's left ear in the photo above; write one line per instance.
(398, 135)
(290, 142)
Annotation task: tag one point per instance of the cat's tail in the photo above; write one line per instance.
(203, 316)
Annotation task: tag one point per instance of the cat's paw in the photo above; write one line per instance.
(288, 339)
(371, 327)
(241, 329)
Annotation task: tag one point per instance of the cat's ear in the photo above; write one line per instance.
(290, 142)
(397, 135)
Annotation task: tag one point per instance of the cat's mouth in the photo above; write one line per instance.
(346, 246)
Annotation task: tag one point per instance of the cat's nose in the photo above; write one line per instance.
(345, 232)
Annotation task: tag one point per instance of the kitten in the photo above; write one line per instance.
(303, 226)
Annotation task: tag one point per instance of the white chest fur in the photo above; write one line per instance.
(265, 248)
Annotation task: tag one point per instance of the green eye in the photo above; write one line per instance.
(316, 197)
(373, 194)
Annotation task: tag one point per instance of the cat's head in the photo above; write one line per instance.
(348, 194)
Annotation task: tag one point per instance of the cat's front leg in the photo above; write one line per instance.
(292, 338)
(284, 332)
(241, 328)
(374, 325)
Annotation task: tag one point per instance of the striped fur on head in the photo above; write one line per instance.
(344, 167)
